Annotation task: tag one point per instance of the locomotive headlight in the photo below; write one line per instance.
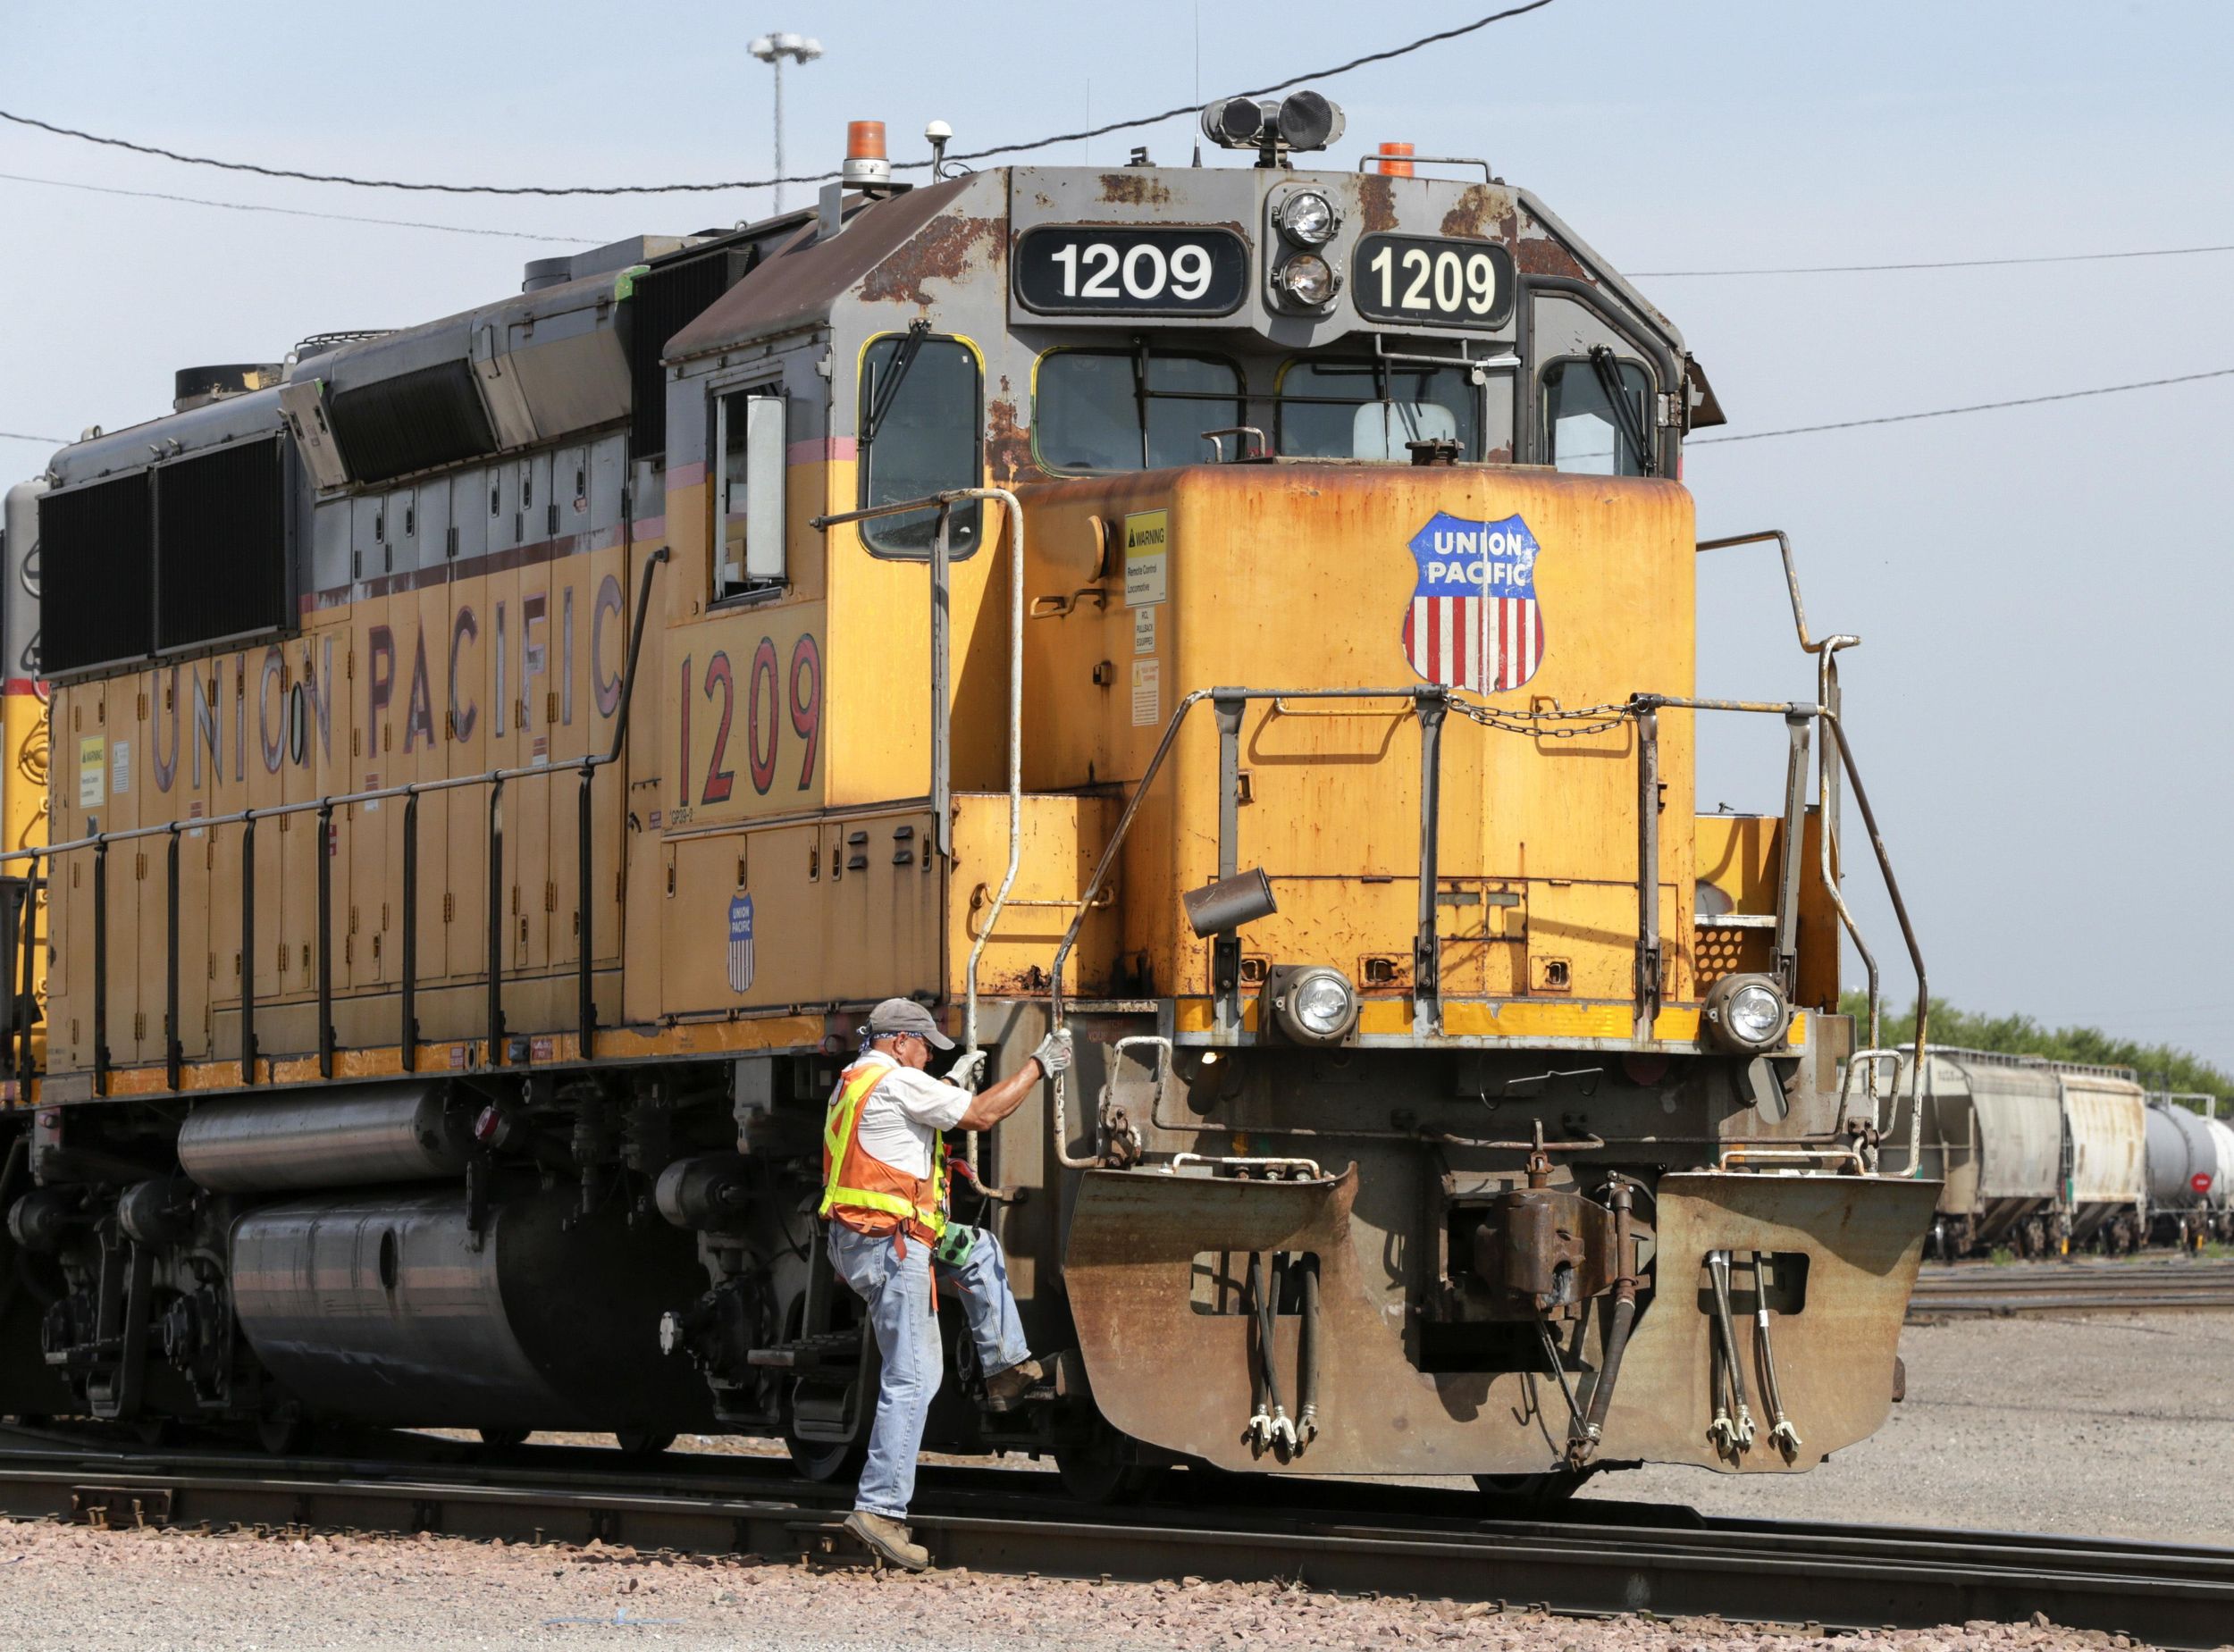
(1315, 1004)
(1307, 218)
(1745, 1013)
(1308, 279)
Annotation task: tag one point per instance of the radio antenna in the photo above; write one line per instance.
(1199, 73)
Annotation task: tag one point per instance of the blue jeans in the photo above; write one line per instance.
(905, 1316)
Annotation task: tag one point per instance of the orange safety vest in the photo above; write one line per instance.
(862, 1191)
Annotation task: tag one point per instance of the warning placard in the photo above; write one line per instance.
(1148, 693)
(1147, 536)
(92, 771)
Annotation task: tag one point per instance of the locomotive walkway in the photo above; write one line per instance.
(1966, 1290)
(1592, 1558)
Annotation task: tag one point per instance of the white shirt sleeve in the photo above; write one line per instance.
(927, 1101)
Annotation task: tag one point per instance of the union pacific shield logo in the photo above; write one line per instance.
(1474, 622)
(741, 958)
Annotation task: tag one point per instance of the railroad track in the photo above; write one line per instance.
(1981, 1289)
(1592, 1557)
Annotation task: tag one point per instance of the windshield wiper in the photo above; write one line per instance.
(1626, 416)
(902, 358)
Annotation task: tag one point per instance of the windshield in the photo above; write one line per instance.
(1137, 409)
(1586, 431)
(1370, 410)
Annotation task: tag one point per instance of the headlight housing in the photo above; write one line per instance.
(1746, 1013)
(1307, 218)
(1310, 1003)
(1307, 280)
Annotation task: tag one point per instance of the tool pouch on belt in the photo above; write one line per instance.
(955, 1246)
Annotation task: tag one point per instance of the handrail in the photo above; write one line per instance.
(1643, 707)
(1830, 644)
(1908, 934)
(943, 503)
(323, 806)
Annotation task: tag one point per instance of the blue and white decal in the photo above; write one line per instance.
(1473, 621)
(741, 944)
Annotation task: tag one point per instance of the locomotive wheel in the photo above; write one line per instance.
(824, 1462)
(503, 1440)
(282, 1437)
(643, 1442)
(1100, 1471)
(1551, 1486)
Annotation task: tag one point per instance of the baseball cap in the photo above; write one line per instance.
(904, 1015)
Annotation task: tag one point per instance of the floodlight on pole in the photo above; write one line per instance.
(771, 50)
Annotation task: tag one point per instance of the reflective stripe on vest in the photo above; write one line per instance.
(845, 1161)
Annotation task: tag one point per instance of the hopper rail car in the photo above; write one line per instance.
(1242, 613)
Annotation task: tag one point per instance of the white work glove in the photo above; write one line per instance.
(1053, 1053)
(967, 1071)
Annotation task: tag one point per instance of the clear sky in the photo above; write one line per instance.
(2044, 593)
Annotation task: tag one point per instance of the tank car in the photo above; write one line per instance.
(2189, 1167)
(1242, 612)
(2033, 1155)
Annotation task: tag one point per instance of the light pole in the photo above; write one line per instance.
(772, 49)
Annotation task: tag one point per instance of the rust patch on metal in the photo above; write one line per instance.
(1540, 254)
(1482, 213)
(1376, 202)
(1135, 189)
(943, 250)
(1008, 445)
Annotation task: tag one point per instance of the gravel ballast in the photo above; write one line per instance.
(2116, 1426)
(2109, 1425)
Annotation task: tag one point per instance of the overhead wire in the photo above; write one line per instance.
(292, 211)
(558, 237)
(1802, 429)
(300, 176)
(1935, 263)
(1979, 407)
(49, 441)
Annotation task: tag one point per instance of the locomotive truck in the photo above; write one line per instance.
(1243, 613)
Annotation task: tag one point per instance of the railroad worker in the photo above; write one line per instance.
(884, 1197)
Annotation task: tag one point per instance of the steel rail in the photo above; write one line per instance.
(1594, 1558)
(1977, 1289)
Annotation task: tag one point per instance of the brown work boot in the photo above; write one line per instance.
(1004, 1390)
(888, 1540)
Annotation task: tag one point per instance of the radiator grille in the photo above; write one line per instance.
(416, 421)
(221, 545)
(665, 300)
(96, 555)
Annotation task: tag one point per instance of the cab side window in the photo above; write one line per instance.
(1597, 415)
(921, 431)
(750, 434)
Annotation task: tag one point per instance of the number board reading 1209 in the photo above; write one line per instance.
(1432, 280)
(1090, 269)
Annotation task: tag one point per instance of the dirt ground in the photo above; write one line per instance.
(2110, 1425)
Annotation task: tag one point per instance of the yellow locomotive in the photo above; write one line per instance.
(1243, 613)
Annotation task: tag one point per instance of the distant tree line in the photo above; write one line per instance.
(2158, 1066)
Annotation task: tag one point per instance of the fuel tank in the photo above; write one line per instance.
(382, 1308)
(344, 1137)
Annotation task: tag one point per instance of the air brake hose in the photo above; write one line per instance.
(1283, 1430)
(1259, 1430)
(1307, 1362)
(1625, 1316)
